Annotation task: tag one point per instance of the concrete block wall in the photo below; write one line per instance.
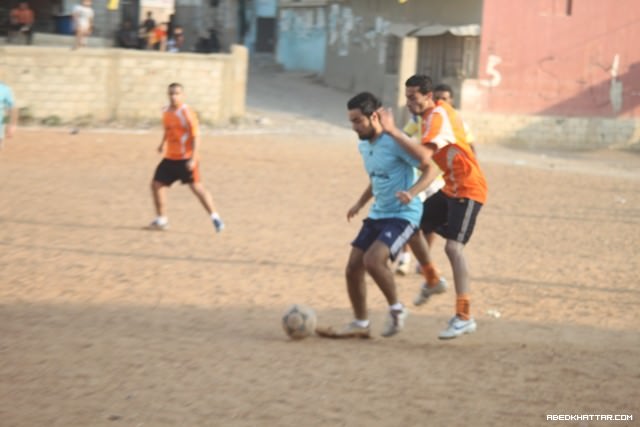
(101, 85)
(549, 132)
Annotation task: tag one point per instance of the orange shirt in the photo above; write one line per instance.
(181, 128)
(157, 35)
(443, 127)
(22, 16)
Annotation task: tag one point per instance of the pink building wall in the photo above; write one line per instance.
(558, 57)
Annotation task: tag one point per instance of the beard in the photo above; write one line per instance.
(368, 135)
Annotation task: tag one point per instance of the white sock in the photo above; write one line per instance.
(215, 216)
(397, 306)
(162, 220)
(362, 323)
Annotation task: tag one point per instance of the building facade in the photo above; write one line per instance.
(556, 73)
(558, 57)
(302, 35)
(375, 45)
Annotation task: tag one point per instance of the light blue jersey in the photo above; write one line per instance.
(6, 103)
(390, 169)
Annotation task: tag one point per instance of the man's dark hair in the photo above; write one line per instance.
(365, 102)
(175, 85)
(422, 82)
(443, 88)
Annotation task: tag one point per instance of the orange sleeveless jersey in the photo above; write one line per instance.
(181, 127)
(443, 127)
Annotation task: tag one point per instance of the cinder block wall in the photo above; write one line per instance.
(101, 85)
(550, 132)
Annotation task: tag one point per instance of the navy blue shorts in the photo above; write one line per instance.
(452, 218)
(169, 171)
(393, 232)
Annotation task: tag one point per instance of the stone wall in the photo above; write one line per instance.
(554, 132)
(102, 85)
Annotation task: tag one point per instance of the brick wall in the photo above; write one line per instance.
(101, 85)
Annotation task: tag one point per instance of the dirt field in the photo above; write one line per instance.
(103, 323)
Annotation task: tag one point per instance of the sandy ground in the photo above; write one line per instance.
(103, 323)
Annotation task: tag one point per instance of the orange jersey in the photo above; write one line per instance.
(180, 129)
(157, 35)
(22, 16)
(443, 127)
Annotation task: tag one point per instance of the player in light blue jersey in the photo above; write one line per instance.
(8, 113)
(393, 217)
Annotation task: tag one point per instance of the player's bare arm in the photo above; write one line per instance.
(191, 163)
(362, 201)
(407, 143)
(164, 139)
(429, 173)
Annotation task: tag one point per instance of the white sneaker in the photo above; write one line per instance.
(458, 327)
(403, 268)
(159, 224)
(425, 292)
(395, 322)
(218, 224)
(352, 330)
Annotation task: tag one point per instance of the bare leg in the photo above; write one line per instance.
(375, 262)
(203, 195)
(158, 190)
(81, 38)
(431, 237)
(458, 262)
(420, 248)
(356, 286)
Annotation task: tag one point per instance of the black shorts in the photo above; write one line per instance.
(452, 218)
(393, 232)
(169, 171)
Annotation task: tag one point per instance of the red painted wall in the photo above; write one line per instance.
(549, 60)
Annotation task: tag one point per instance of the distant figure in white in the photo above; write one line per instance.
(82, 22)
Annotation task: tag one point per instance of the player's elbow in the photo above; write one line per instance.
(424, 159)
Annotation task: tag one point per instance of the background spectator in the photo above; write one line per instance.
(82, 22)
(21, 21)
(158, 37)
(127, 36)
(176, 41)
(146, 30)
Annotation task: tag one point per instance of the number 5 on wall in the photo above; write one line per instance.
(492, 62)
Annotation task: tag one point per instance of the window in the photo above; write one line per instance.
(448, 56)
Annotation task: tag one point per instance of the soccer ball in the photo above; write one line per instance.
(299, 321)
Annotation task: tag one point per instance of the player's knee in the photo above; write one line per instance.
(353, 270)
(453, 249)
(197, 187)
(372, 261)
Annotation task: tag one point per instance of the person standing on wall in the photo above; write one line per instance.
(82, 22)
